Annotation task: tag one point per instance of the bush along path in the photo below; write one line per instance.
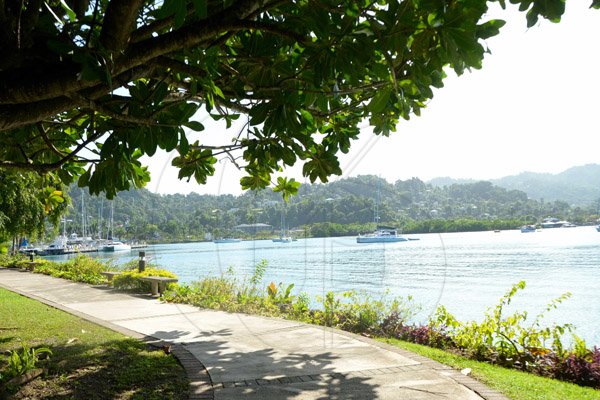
(509, 340)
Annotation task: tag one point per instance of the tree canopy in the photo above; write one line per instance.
(89, 87)
(24, 208)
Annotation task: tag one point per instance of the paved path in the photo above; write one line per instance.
(254, 357)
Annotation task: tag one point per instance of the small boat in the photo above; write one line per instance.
(283, 232)
(598, 228)
(382, 235)
(283, 239)
(115, 246)
(227, 240)
(556, 223)
(527, 228)
(59, 246)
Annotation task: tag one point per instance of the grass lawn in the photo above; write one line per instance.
(516, 385)
(88, 361)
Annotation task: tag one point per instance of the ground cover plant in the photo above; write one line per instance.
(87, 361)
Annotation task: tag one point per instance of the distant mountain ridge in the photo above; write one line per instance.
(577, 185)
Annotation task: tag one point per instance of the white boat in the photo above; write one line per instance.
(58, 246)
(227, 240)
(283, 232)
(115, 246)
(283, 239)
(556, 223)
(381, 235)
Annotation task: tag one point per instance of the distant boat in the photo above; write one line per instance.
(381, 235)
(527, 228)
(115, 246)
(58, 246)
(283, 239)
(283, 235)
(227, 240)
(548, 223)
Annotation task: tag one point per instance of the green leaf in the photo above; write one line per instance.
(184, 145)
(490, 28)
(194, 125)
(380, 100)
(70, 13)
(201, 8)
(254, 182)
(286, 187)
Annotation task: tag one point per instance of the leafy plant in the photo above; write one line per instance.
(79, 269)
(505, 339)
(25, 360)
(280, 295)
(259, 272)
(130, 280)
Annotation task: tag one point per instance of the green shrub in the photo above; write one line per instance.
(79, 269)
(351, 311)
(505, 339)
(129, 280)
(12, 261)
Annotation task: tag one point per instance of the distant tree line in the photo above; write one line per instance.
(345, 207)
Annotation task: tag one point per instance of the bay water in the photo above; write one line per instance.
(465, 272)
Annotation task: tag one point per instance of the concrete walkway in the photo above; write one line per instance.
(235, 356)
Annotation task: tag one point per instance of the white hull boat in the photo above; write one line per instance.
(227, 240)
(115, 246)
(381, 235)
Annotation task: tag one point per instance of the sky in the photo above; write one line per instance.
(534, 106)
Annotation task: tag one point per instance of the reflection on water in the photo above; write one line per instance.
(466, 272)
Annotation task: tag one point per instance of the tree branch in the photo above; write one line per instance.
(48, 142)
(94, 106)
(16, 115)
(119, 21)
(40, 87)
(271, 28)
(30, 166)
(190, 36)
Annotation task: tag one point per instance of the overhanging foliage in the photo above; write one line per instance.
(88, 87)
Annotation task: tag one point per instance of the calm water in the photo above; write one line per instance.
(466, 272)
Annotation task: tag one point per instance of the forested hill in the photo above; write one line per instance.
(577, 185)
(343, 206)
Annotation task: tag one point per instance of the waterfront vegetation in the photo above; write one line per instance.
(510, 340)
(86, 360)
(502, 347)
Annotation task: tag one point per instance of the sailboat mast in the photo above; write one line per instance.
(376, 205)
(109, 234)
(82, 216)
(100, 216)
